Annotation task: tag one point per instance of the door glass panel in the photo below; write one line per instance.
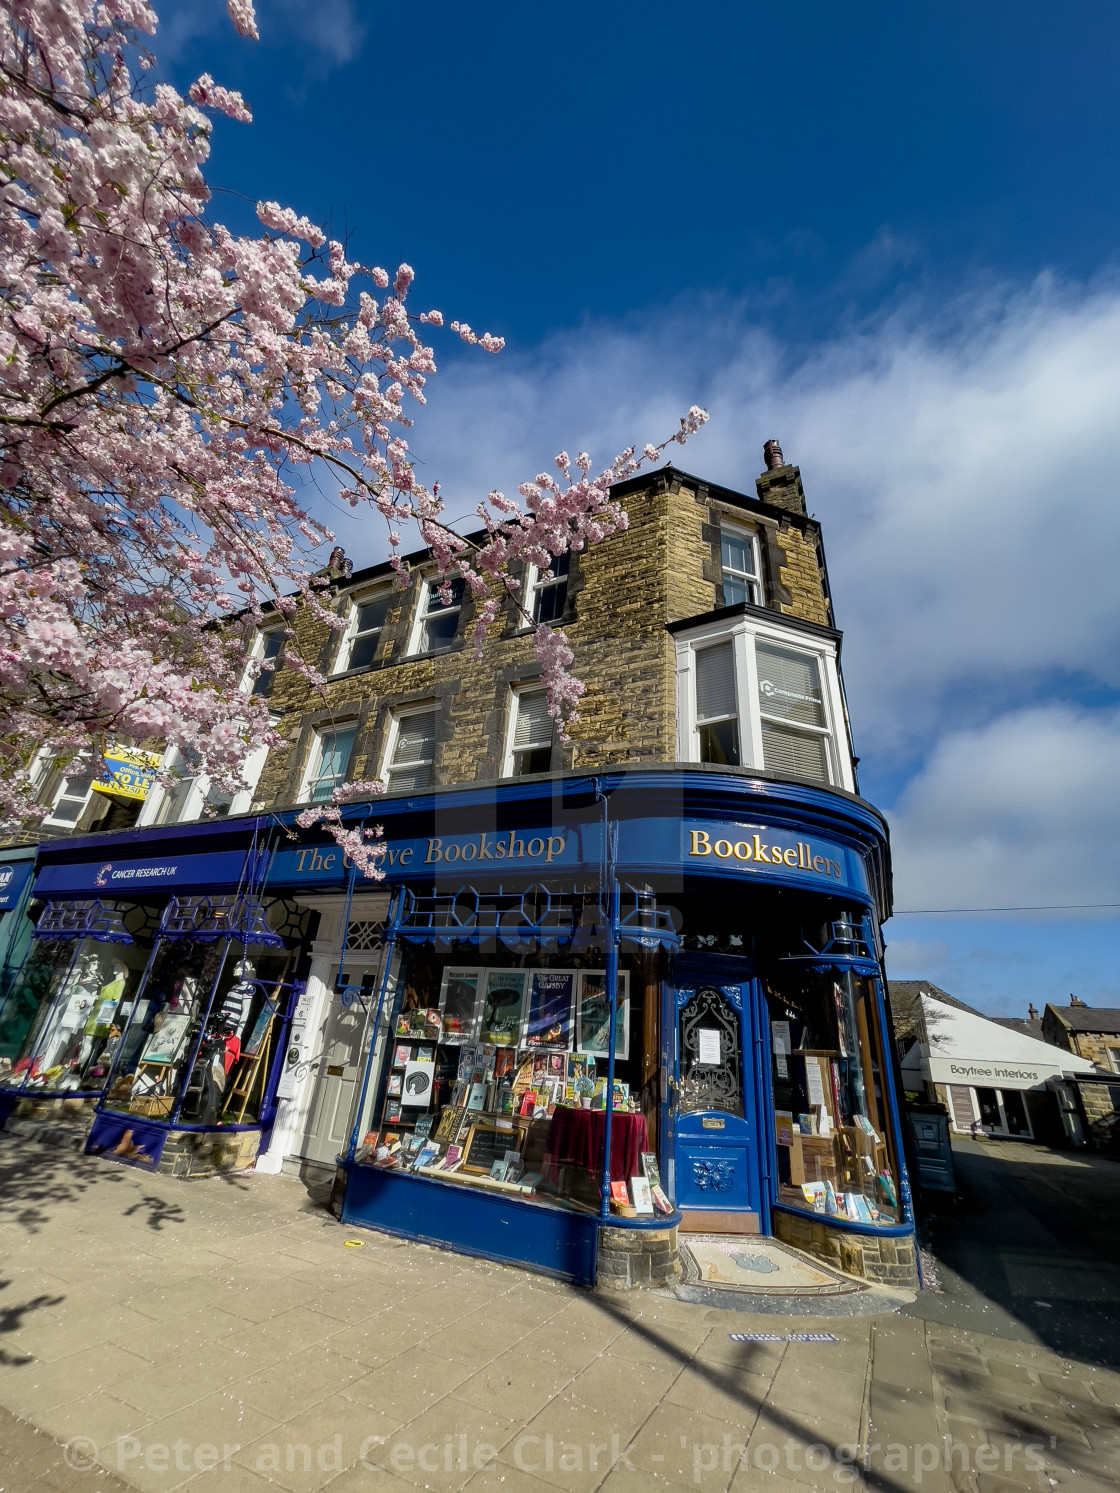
(711, 1064)
(989, 1108)
(1016, 1112)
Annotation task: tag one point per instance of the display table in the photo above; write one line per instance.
(575, 1138)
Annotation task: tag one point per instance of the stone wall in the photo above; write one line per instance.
(664, 568)
(630, 1259)
(885, 1261)
(1100, 1101)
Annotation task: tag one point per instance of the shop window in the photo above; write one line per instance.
(495, 1076)
(412, 751)
(438, 622)
(202, 1033)
(62, 1023)
(548, 589)
(754, 694)
(831, 1112)
(363, 633)
(330, 759)
(739, 560)
(265, 661)
(717, 712)
(530, 741)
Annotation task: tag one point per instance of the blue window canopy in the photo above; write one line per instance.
(206, 919)
(87, 917)
(641, 921)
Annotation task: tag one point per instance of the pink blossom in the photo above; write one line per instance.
(243, 16)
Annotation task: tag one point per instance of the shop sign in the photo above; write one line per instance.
(478, 851)
(997, 1075)
(758, 849)
(14, 876)
(131, 772)
(223, 868)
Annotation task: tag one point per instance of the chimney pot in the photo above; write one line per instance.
(1032, 1011)
(772, 455)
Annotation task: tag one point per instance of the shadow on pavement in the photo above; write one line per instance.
(1030, 1251)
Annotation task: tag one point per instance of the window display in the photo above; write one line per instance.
(485, 1085)
(835, 1153)
(202, 1034)
(67, 1013)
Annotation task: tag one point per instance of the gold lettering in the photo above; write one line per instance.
(819, 863)
(722, 849)
(701, 845)
(743, 851)
(555, 847)
(760, 851)
(435, 852)
(790, 857)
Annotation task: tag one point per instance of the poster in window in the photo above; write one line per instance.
(502, 1007)
(549, 1025)
(594, 1019)
(458, 1004)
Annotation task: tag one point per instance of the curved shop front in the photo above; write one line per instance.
(153, 1004)
(739, 1082)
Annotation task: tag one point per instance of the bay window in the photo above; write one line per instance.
(754, 693)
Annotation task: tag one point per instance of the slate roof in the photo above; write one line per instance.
(906, 991)
(1022, 1024)
(1089, 1018)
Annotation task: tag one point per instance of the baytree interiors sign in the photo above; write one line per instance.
(984, 1074)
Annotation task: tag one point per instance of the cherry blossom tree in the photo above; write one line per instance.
(165, 385)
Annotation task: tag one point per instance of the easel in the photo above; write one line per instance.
(157, 1099)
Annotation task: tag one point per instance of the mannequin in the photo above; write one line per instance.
(99, 1024)
(73, 1012)
(233, 1013)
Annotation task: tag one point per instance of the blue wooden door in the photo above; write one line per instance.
(713, 1125)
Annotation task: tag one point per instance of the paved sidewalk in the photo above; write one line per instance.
(225, 1336)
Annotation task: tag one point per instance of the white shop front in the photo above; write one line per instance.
(987, 1076)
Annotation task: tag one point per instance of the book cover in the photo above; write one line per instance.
(831, 1202)
(452, 1158)
(593, 1021)
(427, 1154)
(395, 1081)
(423, 1126)
(660, 1201)
(393, 1111)
(619, 1193)
(402, 1055)
(650, 1170)
(433, 1023)
(549, 1024)
(528, 1102)
(503, 1007)
(416, 1091)
(530, 1181)
(459, 1000)
(476, 1099)
(641, 1196)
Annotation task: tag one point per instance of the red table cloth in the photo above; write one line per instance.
(575, 1138)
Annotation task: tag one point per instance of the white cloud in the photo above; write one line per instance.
(321, 36)
(964, 467)
(1020, 812)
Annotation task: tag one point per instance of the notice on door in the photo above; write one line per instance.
(780, 1042)
(709, 1047)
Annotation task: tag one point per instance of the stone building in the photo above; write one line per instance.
(1091, 1032)
(650, 954)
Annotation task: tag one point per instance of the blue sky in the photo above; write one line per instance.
(886, 234)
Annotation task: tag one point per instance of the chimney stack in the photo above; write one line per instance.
(1032, 1011)
(780, 484)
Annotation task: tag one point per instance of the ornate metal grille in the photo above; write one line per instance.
(361, 936)
(85, 918)
(208, 918)
(710, 1085)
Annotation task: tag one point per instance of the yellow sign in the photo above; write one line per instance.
(131, 772)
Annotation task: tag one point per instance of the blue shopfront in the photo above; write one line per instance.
(739, 1082)
(153, 1003)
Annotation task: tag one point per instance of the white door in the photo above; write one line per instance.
(335, 1069)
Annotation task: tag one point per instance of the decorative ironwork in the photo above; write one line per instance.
(706, 1020)
(713, 1176)
(205, 919)
(365, 936)
(537, 914)
(88, 917)
(641, 921)
(142, 920)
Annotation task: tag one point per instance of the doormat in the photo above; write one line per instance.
(757, 1267)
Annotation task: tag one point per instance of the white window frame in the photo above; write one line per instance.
(387, 763)
(537, 580)
(750, 536)
(256, 655)
(350, 633)
(509, 760)
(194, 802)
(744, 633)
(416, 638)
(76, 768)
(315, 758)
